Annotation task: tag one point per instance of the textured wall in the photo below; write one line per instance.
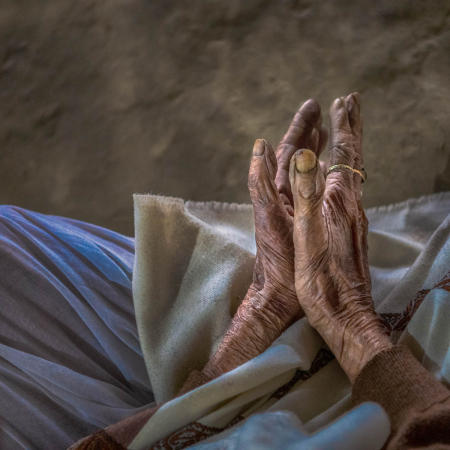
(99, 99)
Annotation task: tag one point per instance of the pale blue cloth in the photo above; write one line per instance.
(365, 427)
(70, 360)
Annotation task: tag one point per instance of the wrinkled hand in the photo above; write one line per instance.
(271, 303)
(332, 276)
(271, 195)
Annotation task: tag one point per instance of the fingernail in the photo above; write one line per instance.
(259, 147)
(311, 108)
(305, 161)
(338, 103)
(356, 98)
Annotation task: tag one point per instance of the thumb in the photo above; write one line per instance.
(307, 185)
(261, 175)
(307, 182)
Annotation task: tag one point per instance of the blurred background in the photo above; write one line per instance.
(103, 98)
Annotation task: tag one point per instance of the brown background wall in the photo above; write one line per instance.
(99, 99)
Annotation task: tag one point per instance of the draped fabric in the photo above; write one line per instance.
(79, 352)
(70, 360)
(188, 283)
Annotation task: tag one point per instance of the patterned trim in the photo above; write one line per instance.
(399, 321)
(196, 432)
(99, 441)
(184, 437)
(322, 358)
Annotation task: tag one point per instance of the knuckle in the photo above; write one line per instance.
(284, 152)
(343, 147)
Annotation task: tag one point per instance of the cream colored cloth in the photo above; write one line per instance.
(193, 265)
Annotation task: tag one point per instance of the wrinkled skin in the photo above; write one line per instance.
(297, 205)
(332, 276)
(271, 196)
(271, 304)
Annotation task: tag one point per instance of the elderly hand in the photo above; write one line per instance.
(271, 195)
(332, 278)
(271, 303)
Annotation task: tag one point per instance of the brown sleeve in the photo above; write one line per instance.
(418, 405)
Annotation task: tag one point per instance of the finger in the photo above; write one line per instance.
(312, 142)
(299, 135)
(353, 110)
(268, 210)
(341, 151)
(319, 137)
(302, 124)
(342, 148)
(353, 105)
(261, 174)
(323, 138)
(364, 230)
(307, 183)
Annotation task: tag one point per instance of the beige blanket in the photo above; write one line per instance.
(193, 265)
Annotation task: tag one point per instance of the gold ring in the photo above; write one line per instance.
(362, 173)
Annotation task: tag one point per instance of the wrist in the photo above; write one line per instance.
(277, 307)
(245, 338)
(362, 348)
(253, 328)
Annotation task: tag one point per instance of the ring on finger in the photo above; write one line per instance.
(362, 173)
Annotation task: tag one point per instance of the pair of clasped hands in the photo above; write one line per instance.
(311, 239)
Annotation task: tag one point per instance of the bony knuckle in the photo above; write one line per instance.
(342, 147)
(283, 149)
(252, 180)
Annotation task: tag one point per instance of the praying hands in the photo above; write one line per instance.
(271, 303)
(312, 259)
(311, 239)
(332, 276)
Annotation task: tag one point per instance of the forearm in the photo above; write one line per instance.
(259, 320)
(256, 324)
(250, 333)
